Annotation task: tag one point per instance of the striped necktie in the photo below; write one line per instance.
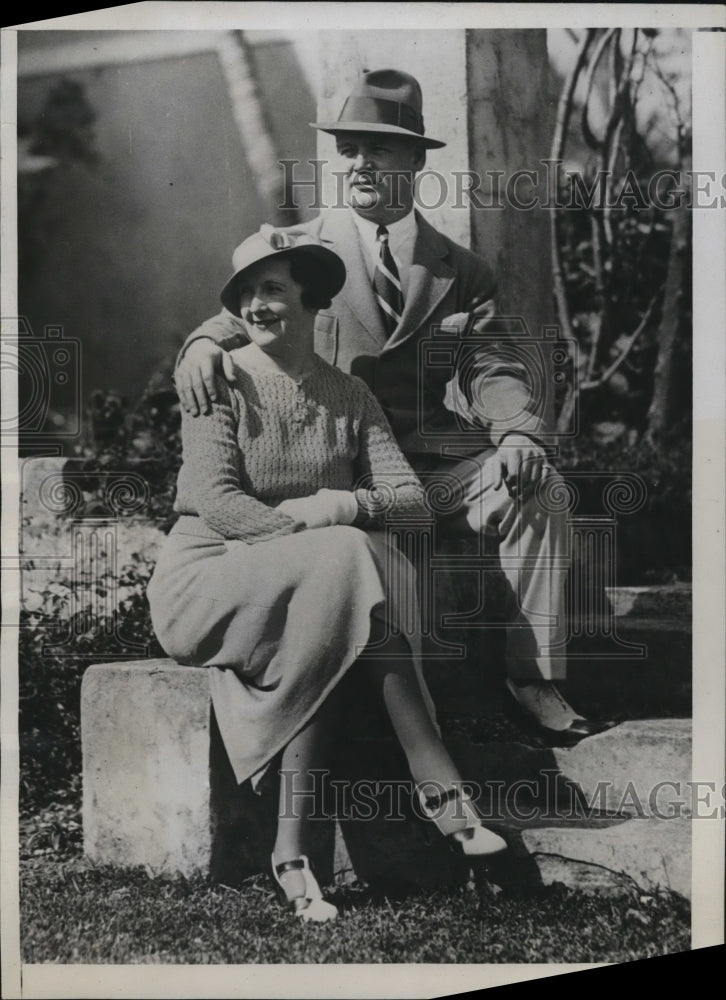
(387, 283)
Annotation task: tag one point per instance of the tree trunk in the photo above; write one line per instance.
(660, 408)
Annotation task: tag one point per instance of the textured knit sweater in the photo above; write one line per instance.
(270, 438)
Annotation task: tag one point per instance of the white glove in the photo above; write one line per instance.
(323, 509)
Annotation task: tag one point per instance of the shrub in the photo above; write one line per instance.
(52, 667)
(70, 620)
(654, 542)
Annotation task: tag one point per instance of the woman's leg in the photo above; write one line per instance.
(305, 753)
(394, 675)
(428, 759)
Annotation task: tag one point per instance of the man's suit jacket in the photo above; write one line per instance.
(409, 371)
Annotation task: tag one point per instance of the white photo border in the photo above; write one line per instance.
(709, 293)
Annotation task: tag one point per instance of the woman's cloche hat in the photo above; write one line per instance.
(383, 100)
(271, 242)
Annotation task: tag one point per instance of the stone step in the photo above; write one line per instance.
(158, 791)
(590, 628)
(673, 600)
(611, 815)
(640, 768)
(648, 855)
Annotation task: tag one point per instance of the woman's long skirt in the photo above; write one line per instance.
(279, 623)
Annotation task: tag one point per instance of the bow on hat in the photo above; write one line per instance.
(268, 243)
(279, 239)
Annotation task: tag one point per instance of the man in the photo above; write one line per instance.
(405, 280)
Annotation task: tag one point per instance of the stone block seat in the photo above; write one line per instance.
(158, 791)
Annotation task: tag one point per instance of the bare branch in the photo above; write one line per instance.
(564, 112)
(619, 102)
(609, 372)
(600, 286)
(609, 167)
(675, 107)
(590, 138)
(614, 128)
(661, 402)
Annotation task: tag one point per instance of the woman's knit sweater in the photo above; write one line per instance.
(270, 438)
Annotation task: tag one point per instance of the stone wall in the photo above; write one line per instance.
(129, 255)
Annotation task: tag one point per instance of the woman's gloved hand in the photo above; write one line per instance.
(323, 509)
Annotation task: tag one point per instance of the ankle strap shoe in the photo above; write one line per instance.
(455, 816)
(310, 905)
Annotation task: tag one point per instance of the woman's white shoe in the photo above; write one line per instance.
(460, 822)
(310, 905)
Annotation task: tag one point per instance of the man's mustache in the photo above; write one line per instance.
(371, 177)
(376, 177)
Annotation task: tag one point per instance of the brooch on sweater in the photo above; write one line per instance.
(302, 407)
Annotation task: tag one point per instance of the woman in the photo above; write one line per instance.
(274, 575)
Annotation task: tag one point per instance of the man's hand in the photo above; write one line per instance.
(325, 508)
(519, 463)
(194, 377)
(482, 308)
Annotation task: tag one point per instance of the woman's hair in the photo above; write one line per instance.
(312, 280)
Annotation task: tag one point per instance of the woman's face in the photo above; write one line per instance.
(271, 305)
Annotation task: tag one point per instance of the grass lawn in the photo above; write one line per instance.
(73, 911)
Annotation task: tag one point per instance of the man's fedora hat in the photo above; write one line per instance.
(383, 100)
(271, 242)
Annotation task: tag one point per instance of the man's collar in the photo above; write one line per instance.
(399, 231)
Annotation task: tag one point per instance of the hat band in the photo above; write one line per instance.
(377, 111)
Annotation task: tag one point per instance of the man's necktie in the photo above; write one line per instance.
(387, 283)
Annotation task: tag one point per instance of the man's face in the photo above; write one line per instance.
(380, 170)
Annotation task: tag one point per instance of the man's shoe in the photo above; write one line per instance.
(539, 708)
